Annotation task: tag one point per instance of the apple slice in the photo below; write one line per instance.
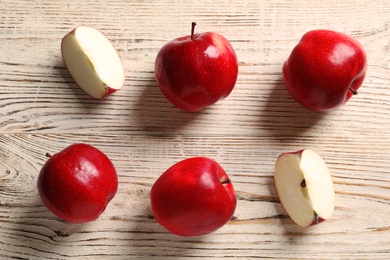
(305, 187)
(92, 61)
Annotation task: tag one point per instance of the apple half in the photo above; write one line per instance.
(305, 187)
(92, 61)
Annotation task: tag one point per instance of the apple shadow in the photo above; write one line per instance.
(147, 238)
(63, 73)
(294, 234)
(87, 102)
(284, 117)
(286, 122)
(38, 229)
(151, 112)
(155, 115)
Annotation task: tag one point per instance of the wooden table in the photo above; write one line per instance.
(43, 110)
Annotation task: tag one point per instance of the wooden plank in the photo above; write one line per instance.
(42, 97)
(127, 228)
(42, 110)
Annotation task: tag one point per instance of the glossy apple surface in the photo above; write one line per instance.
(196, 71)
(305, 187)
(92, 61)
(77, 183)
(193, 197)
(325, 69)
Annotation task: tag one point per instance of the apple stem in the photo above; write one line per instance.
(226, 181)
(303, 183)
(354, 92)
(193, 30)
(48, 155)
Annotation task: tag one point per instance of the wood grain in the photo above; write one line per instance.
(42, 110)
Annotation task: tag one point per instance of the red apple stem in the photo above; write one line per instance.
(48, 155)
(226, 181)
(193, 30)
(354, 92)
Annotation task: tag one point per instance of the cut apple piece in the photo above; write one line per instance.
(92, 61)
(305, 187)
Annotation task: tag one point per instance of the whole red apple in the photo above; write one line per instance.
(325, 69)
(193, 197)
(196, 71)
(77, 183)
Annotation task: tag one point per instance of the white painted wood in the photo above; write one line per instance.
(42, 110)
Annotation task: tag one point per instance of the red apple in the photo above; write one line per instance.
(196, 71)
(325, 69)
(77, 183)
(305, 187)
(193, 197)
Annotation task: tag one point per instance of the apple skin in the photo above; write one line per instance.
(77, 183)
(325, 69)
(194, 197)
(197, 70)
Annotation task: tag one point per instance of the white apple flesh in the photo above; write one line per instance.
(305, 187)
(92, 61)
